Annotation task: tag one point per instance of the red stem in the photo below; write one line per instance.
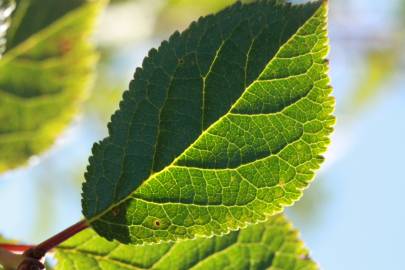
(41, 249)
(15, 248)
(30, 259)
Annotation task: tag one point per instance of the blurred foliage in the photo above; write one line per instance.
(310, 208)
(6, 9)
(33, 16)
(104, 105)
(177, 14)
(380, 67)
(4, 240)
(45, 194)
(105, 101)
(120, 1)
(44, 74)
(382, 62)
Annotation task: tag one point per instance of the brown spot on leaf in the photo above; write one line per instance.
(115, 211)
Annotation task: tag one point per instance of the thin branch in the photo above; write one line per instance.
(30, 259)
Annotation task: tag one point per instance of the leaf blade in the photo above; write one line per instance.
(270, 245)
(43, 79)
(213, 186)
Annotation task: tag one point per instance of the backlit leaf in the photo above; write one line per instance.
(6, 9)
(43, 75)
(223, 126)
(271, 245)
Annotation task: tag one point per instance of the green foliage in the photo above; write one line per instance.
(33, 16)
(6, 9)
(223, 126)
(44, 74)
(4, 240)
(380, 67)
(181, 12)
(270, 245)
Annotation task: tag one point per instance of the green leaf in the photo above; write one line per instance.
(6, 9)
(44, 75)
(33, 16)
(270, 245)
(223, 126)
(4, 240)
(380, 67)
(181, 12)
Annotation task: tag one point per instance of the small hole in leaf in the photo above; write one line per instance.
(157, 223)
(180, 61)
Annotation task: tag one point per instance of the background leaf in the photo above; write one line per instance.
(33, 16)
(270, 245)
(223, 126)
(4, 240)
(181, 12)
(6, 9)
(44, 74)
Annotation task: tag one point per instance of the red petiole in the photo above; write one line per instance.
(15, 248)
(35, 253)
